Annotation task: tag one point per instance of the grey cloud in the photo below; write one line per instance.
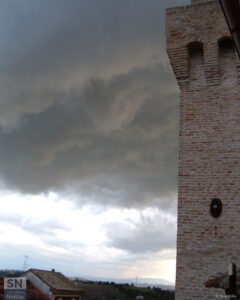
(45, 229)
(150, 234)
(113, 141)
(48, 48)
(87, 104)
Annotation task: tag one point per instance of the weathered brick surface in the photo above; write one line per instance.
(209, 146)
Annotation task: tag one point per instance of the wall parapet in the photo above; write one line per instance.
(186, 25)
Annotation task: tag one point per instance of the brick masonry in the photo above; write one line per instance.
(208, 73)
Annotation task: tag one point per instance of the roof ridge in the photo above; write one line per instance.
(41, 270)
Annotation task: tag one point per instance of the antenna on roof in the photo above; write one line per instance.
(25, 263)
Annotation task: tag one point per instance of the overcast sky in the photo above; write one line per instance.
(88, 137)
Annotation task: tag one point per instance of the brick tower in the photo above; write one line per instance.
(207, 68)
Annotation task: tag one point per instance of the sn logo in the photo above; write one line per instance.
(14, 283)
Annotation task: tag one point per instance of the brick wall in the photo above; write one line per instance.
(207, 69)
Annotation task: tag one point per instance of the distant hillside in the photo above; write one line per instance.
(140, 282)
(113, 291)
(10, 273)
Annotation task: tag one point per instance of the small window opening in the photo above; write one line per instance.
(196, 64)
(216, 208)
(228, 62)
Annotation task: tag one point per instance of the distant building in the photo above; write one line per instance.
(54, 284)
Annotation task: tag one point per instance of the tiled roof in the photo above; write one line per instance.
(33, 293)
(56, 280)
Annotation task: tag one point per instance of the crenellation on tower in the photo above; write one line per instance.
(205, 64)
(194, 24)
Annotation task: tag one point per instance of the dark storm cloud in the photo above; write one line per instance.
(86, 100)
(115, 141)
(48, 47)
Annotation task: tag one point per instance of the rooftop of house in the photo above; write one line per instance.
(32, 292)
(223, 282)
(56, 280)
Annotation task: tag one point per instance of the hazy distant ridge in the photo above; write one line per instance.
(141, 282)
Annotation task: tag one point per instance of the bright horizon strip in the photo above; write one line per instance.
(22, 217)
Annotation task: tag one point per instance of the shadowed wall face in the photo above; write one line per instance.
(228, 62)
(207, 69)
(196, 64)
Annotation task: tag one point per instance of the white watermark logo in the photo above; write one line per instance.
(15, 288)
(14, 283)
